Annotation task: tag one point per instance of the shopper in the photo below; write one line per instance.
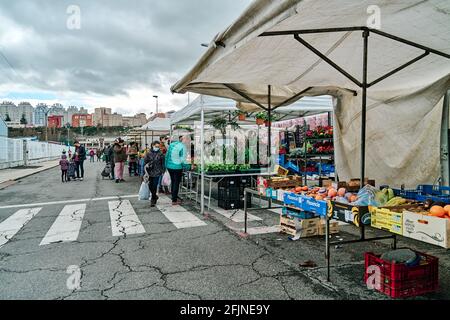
(91, 155)
(120, 156)
(64, 165)
(163, 147)
(110, 159)
(79, 158)
(155, 168)
(175, 161)
(99, 154)
(133, 159)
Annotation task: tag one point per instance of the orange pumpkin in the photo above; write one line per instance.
(447, 209)
(437, 211)
(305, 188)
(298, 189)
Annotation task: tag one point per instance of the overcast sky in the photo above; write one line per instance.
(125, 51)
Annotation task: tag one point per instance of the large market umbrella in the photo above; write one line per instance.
(279, 51)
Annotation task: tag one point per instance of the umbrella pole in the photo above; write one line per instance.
(202, 161)
(364, 108)
(269, 133)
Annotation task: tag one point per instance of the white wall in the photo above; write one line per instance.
(12, 152)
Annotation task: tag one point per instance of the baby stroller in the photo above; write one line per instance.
(107, 171)
(71, 171)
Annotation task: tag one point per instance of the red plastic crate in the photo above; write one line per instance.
(401, 281)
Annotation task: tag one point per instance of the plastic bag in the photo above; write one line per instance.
(144, 191)
(165, 182)
(367, 197)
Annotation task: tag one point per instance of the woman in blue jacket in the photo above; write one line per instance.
(175, 162)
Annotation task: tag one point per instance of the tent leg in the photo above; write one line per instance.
(269, 132)
(444, 141)
(202, 162)
(364, 108)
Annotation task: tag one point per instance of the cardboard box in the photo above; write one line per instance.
(299, 223)
(350, 214)
(334, 227)
(303, 233)
(428, 229)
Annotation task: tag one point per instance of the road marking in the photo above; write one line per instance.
(178, 215)
(124, 220)
(66, 226)
(67, 202)
(14, 223)
(235, 215)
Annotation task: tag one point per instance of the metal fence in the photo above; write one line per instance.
(18, 152)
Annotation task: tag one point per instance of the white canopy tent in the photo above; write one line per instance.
(215, 106)
(205, 108)
(392, 69)
(157, 124)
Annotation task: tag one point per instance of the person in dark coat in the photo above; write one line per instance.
(79, 158)
(155, 168)
(110, 159)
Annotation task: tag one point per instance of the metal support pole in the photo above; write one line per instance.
(269, 133)
(202, 161)
(364, 108)
(444, 141)
(327, 244)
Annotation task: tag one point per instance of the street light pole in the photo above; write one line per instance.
(156, 97)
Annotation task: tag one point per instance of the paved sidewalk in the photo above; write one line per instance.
(8, 176)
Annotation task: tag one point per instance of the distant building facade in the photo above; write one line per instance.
(136, 121)
(15, 113)
(56, 121)
(40, 113)
(82, 120)
(104, 117)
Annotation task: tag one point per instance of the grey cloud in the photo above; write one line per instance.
(121, 44)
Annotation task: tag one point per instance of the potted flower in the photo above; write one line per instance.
(260, 118)
(242, 115)
(268, 121)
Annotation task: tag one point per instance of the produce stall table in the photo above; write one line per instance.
(219, 177)
(331, 211)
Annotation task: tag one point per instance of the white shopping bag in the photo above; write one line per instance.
(144, 191)
(165, 182)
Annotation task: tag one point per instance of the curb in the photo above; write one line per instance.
(30, 174)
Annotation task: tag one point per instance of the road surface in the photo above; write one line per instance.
(95, 240)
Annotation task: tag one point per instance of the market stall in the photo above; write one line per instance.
(388, 86)
(205, 110)
(153, 129)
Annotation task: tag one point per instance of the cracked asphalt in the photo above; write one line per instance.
(207, 262)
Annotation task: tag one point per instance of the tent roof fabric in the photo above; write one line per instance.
(157, 124)
(240, 56)
(215, 106)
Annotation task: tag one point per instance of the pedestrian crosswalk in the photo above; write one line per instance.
(123, 219)
(67, 225)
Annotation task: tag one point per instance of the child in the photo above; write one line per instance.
(64, 164)
(71, 172)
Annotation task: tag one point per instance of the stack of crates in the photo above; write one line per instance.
(231, 193)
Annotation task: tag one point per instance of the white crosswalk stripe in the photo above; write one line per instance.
(124, 220)
(15, 223)
(67, 226)
(178, 215)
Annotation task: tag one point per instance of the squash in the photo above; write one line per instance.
(305, 188)
(298, 189)
(319, 198)
(437, 211)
